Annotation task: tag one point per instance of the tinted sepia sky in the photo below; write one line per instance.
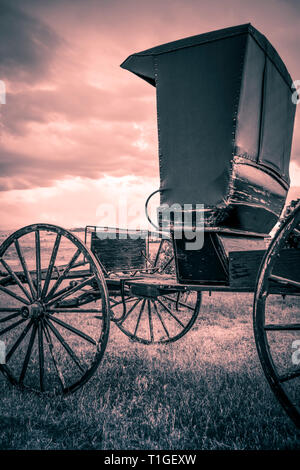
(77, 131)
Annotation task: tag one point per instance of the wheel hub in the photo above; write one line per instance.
(35, 310)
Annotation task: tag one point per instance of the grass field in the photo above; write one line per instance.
(206, 391)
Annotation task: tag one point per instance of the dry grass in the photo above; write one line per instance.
(206, 391)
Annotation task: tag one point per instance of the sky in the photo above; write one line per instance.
(78, 134)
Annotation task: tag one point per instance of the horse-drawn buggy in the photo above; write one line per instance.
(225, 125)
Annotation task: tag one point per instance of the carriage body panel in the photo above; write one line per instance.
(225, 124)
(119, 250)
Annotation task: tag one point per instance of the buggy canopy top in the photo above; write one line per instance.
(225, 124)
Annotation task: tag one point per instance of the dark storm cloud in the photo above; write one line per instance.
(26, 44)
(71, 111)
(46, 124)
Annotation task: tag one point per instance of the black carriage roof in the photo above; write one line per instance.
(143, 67)
(221, 95)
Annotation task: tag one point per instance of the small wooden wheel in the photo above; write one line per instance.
(277, 322)
(163, 319)
(54, 315)
(158, 319)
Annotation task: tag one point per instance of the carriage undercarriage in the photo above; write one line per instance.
(55, 317)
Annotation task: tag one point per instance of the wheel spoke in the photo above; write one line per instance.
(49, 348)
(182, 304)
(157, 314)
(63, 294)
(28, 354)
(161, 320)
(171, 313)
(7, 310)
(11, 327)
(129, 311)
(44, 296)
(19, 341)
(271, 353)
(68, 267)
(51, 265)
(52, 353)
(74, 330)
(139, 317)
(15, 296)
(150, 321)
(25, 269)
(292, 326)
(63, 342)
(167, 264)
(284, 281)
(41, 356)
(129, 299)
(289, 376)
(16, 279)
(74, 310)
(38, 262)
(9, 317)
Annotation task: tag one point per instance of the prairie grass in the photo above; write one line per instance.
(206, 391)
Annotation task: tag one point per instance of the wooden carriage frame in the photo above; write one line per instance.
(143, 286)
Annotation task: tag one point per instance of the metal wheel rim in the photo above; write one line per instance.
(184, 331)
(260, 334)
(98, 277)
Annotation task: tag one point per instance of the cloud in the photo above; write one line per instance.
(72, 102)
(79, 202)
(26, 45)
(86, 150)
(72, 112)
(70, 120)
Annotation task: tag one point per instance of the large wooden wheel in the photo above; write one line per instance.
(161, 318)
(54, 315)
(277, 320)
